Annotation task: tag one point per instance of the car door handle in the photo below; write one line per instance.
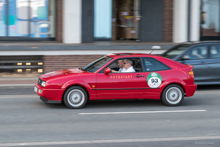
(139, 76)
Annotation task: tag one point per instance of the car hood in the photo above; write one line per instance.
(62, 73)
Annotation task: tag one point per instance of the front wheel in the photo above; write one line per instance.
(75, 97)
(173, 95)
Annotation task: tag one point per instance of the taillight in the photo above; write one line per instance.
(191, 74)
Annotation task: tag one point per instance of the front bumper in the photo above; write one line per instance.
(190, 89)
(45, 100)
(49, 95)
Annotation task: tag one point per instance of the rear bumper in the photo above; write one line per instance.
(190, 89)
(50, 95)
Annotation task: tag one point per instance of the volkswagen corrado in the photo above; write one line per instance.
(153, 77)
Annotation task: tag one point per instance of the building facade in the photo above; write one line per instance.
(78, 21)
(27, 19)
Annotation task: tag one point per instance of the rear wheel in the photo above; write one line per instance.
(75, 97)
(173, 95)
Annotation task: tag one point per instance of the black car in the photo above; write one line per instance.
(204, 56)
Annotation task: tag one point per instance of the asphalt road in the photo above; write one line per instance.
(26, 121)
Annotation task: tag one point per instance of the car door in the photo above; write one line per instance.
(121, 85)
(214, 63)
(156, 74)
(198, 58)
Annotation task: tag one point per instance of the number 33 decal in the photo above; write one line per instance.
(154, 80)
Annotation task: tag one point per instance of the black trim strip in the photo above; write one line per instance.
(126, 89)
(189, 20)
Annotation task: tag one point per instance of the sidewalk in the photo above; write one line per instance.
(43, 48)
(99, 45)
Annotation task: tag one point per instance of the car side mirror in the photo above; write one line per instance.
(185, 57)
(107, 70)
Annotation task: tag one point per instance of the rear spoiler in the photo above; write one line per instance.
(190, 67)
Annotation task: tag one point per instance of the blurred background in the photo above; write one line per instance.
(38, 36)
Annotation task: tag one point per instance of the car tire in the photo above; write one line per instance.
(173, 95)
(75, 97)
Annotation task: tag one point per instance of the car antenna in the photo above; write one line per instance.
(154, 47)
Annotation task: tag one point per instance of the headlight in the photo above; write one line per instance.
(43, 83)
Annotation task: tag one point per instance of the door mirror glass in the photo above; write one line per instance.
(107, 70)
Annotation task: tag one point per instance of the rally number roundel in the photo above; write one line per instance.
(154, 80)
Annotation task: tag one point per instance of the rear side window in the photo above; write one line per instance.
(215, 51)
(152, 64)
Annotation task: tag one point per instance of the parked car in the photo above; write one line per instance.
(155, 77)
(203, 56)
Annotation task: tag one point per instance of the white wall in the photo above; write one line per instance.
(180, 29)
(72, 21)
(195, 20)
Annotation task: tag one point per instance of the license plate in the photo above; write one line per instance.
(35, 89)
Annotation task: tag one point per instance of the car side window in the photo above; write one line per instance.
(152, 64)
(199, 52)
(114, 65)
(215, 51)
(136, 63)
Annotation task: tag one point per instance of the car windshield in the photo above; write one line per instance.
(174, 51)
(97, 64)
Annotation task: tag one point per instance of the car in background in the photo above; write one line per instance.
(155, 77)
(203, 56)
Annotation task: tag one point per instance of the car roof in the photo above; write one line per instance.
(198, 42)
(125, 55)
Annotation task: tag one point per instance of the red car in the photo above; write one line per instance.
(154, 77)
